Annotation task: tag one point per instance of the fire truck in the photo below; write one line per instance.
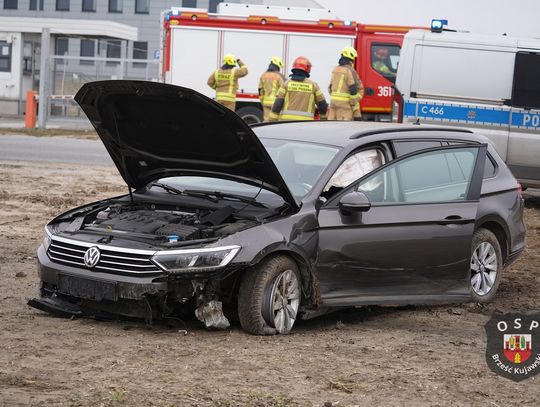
(195, 41)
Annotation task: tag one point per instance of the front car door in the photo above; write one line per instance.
(413, 245)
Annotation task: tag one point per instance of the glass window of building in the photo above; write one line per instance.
(62, 44)
(62, 5)
(34, 5)
(142, 6)
(115, 6)
(5, 56)
(88, 5)
(140, 51)
(10, 4)
(114, 48)
(87, 50)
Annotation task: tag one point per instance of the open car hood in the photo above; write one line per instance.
(153, 130)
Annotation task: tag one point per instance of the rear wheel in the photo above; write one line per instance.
(486, 266)
(250, 114)
(269, 297)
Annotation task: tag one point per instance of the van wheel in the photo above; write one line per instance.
(250, 114)
(486, 266)
(269, 297)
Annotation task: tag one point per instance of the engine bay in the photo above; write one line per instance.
(165, 225)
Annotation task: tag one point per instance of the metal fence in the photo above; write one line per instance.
(69, 73)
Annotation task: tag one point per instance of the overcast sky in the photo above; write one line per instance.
(514, 17)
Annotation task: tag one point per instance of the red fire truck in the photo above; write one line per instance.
(194, 42)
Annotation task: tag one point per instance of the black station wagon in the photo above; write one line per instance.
(276, 222)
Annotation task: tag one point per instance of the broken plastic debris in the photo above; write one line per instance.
(211, 314)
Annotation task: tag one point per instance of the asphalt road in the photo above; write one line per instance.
(53, 149)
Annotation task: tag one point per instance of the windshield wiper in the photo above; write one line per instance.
(222, 195)
(173, 190)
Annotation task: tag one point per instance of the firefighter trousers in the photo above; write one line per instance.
(341, 111)
(266, 113)
(227, 104)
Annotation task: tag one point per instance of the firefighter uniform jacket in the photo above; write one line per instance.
(269, 84)
(345, 88)
(296, 100)
(225, 82)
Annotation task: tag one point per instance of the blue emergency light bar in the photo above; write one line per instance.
(437, 25)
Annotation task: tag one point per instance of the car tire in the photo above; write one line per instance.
(250, 114)
(485, 266)
(259, 309)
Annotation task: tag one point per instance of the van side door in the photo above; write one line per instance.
(523, 156)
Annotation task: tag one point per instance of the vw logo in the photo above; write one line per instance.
(91, 257)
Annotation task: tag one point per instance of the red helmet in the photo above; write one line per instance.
(381, 53)
(302, 63)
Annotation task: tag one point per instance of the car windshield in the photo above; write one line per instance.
(299, 163)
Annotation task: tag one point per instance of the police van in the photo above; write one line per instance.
(490, 84)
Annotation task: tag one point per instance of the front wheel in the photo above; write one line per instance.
(250, 114)
(269, 297)
(486, 266)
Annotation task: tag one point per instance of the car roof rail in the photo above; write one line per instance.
(406, 129)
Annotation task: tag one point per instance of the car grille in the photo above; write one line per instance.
(117, 261)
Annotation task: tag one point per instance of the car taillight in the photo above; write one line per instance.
(520, 190)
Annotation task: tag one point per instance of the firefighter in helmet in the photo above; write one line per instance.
(225, 80)
(299, 95)
(269, 84)
(346, 89)
(380, 57)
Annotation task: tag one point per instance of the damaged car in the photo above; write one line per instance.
(276, 222)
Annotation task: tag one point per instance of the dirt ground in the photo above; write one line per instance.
(379, 356)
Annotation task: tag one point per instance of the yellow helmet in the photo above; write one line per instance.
(229, 59)
(277, 61)
(349, 52)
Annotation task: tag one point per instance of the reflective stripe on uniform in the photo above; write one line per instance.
(298, 113)
(294, 86)
(340, 96)
(269, 99)
(294, 117)
(229, 96)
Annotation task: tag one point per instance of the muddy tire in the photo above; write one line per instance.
(250, 114)
(486, 266)
(269, 297)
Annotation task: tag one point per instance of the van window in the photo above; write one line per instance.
(526, 89)
(384, 59)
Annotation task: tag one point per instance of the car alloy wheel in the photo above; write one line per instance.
(483, 268)
(281, 305)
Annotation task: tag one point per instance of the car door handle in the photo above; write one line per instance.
(453, 220)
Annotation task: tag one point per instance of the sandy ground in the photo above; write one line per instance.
(380, 356)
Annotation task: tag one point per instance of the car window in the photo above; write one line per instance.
(433, 176)
(299, 163)
(385, 59)
(489, 166)
(354, 168)
(405, 147)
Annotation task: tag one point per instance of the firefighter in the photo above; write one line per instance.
(225, 80)
(380, 56)
(346, 89)
(299, 95)
(269, 84)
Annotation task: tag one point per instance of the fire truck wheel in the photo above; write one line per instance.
(250, 114)
(486, 266)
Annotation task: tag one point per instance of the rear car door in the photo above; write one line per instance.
(413, 245)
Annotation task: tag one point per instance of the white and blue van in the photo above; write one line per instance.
(490, 84)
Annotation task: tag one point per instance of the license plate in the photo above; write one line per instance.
(87, 289)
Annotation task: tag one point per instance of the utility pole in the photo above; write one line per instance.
(44, 77)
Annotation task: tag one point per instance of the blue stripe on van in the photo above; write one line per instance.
(477, 115)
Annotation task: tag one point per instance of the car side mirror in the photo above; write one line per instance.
(354, 202)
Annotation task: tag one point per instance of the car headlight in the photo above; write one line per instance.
(195, 260)
(47, 238)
